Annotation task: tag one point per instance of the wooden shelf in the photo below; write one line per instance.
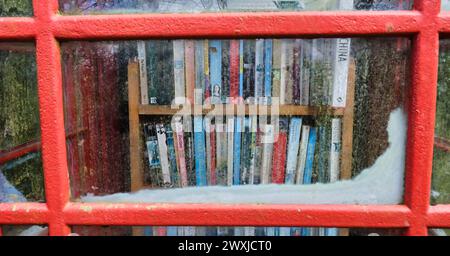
(284, 110)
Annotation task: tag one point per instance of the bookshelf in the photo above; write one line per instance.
(137, 110)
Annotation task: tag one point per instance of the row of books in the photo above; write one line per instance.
(241, 151)
(309, 72)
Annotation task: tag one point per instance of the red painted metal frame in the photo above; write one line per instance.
(423, 24)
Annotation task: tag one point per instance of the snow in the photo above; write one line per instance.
(382, 183)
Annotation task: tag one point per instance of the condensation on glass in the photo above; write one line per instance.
(183, 6)
(229, 231)
(440, 193)
(21, 173)
(22, 230)
(15, 8)
(303, 111)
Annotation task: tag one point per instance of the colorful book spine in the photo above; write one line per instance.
(307, 177)
(341, 65)
(163, 154)
(241, 71)
(230, 144)
(234, 70)
(237, 151)
(249, 71)
(276, 68)
(215, 55)
(221, 151)
(142, 58)
(302, 154)
(296, 72)
(172, 231)
(207, 85)
(208, 131)
(286, 82)
(190, 69)
(178, 71)
(335, 149)
(199, 149)
(213, 171)
(279, 152)
(259, 70)
(152, 152)
(293, 148)
(253, 149)
(174, 176)
(305, 55)
(199, 73)
(189, 146)
(267, 141)
(246, 152)
(180, 151)
(268, 48)
(225, 71)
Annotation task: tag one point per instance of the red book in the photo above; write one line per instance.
(234, 70)
(279, 153)
(212, 176)
(189, 59)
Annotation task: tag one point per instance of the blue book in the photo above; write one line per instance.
(200, 152)
(293, 148)
(307, 176)
(172, 231)
(259, 70)
(148, 231)
(215, 70)
(268, 70)
(237, 151)
(241, 68)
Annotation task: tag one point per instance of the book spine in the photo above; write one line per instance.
(153, 52)
(259, 70)
(279, 153)
(241, 71)
(189, 149)
(249, 70)
(199, 73)
(323, 154)
(305, 55)
(258, 156)
(296, 72)
(286, 82)
(335, 149)
(213, 171)
(276, 68)
(230, 144)
(199, 149)
(190, 70)
(221, 151)
(253, 149)
(178, 71)
(215, 53)
(164, 158)
(207, 86)
(302, 154)
(174, 176)
(293, 148)
(142, 58)
(268, 48)
(246, 152)
(209, 169)
(153, 153)
(341, 65)
(234, 70)
(307, 177)
(172, 231)
(267, 141)
(225, 71)
(180, 149)
(237, 151)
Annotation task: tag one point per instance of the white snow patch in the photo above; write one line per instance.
(382, 183)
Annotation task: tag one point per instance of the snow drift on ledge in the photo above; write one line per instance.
(382, 183)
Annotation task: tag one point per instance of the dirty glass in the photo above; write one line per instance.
(12, 8)
(195, 6)
(440, 193)
(22, 230)
(237, 121)
(21, 174)
(229, 231)
(439, 232)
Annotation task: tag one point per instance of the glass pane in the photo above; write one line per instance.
(445, 5)
(21, 174)
(270, 118)
(179, 6)
(10, 8)
(441, 162)
(229, 231)
(438, 232)
(21, 230)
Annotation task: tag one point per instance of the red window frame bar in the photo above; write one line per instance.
(424, 25)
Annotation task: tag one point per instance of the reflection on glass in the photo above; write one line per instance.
(441, 162)
(21, 175)
(229, 231)
(180, 6)
(438, 232)
(445, 5)
(10, 8)
(21, 230)
(265, 111)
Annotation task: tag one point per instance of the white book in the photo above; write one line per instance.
(302, 154)
(267, 140)
(230, 143)
(335, 149)
(164, 158)
(285, 231)
(178, 71)
(249, 231)
(295, 127)
(143, 78)
(259, 70)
